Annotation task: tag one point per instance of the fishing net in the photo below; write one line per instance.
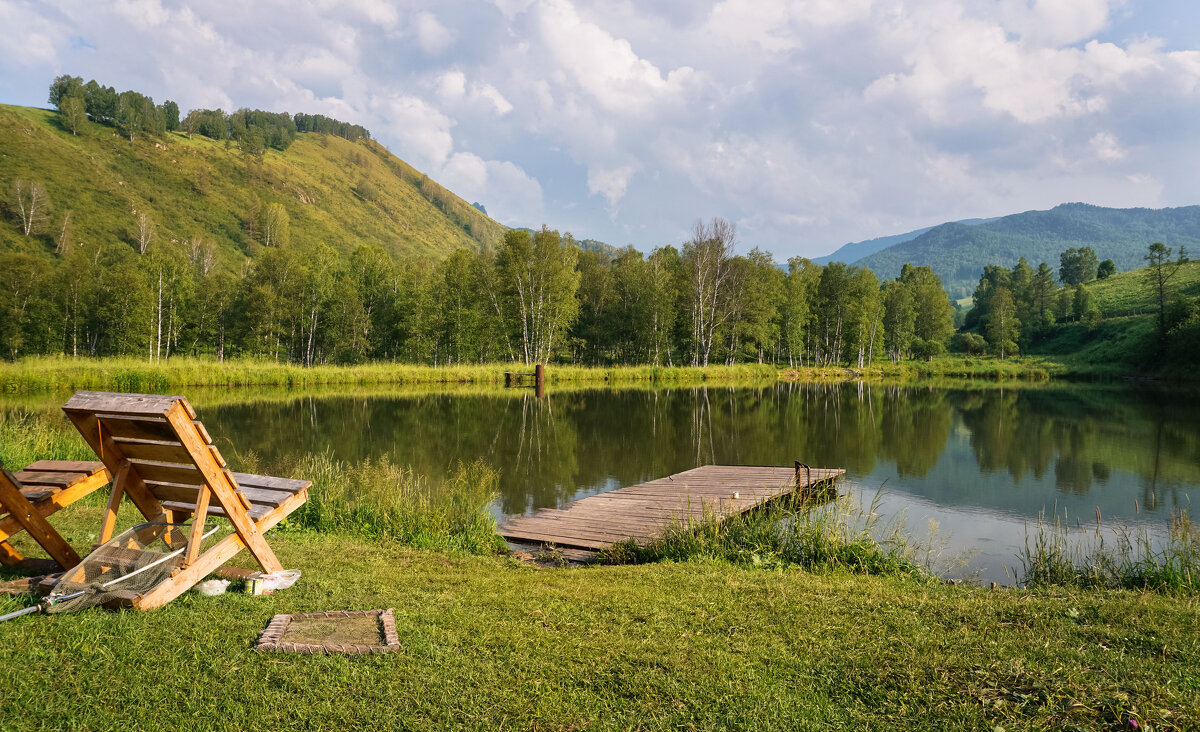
(130, 564)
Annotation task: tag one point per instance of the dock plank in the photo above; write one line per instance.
(645, 511)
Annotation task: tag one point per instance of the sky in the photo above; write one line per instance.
(807, 123)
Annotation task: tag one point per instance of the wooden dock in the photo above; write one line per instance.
(644, 511)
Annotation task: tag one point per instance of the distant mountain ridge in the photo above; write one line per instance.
(854, 251)
(958, 252)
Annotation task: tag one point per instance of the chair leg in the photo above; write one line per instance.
(9, 555)
(23, 511)
(114, 504)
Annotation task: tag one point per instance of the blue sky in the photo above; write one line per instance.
(808, 123)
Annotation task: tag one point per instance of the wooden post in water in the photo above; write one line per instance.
(807, 476)
(539, 378)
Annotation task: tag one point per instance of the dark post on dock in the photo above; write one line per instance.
(513, 378)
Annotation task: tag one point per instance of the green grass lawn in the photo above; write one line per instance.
(487, 642)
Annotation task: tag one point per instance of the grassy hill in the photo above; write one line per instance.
(335, 191)
(959, 252)
(1125, 341)
(1128, 294)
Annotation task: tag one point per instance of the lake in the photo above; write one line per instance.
(980, 463)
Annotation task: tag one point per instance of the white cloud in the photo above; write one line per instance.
(611, 183)
(1107, 147)
(810, 122)
(433, 37)
(33, 45)
(509, 193)
(495, 98)
(602, 65)
(423, 131)
(453, 89)
(1057, 23)
(452, 86)
(512, 8)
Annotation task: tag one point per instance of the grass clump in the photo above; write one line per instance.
(26, 437)
(1134, 560)
(786, 533)
(380, 500)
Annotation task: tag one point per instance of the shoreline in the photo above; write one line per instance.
(49, 374)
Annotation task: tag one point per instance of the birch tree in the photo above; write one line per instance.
(540, 283)
(275, 226)
(145, 229)
(32, 204)
(709, 272)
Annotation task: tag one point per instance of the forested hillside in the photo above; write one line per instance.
(854, 251)
(959, 253)
(236, 197)
(1144, 321)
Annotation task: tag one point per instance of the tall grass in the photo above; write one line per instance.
(1118, 558)
(380, 500)
(27, 437)
(46, 373)
(948, 366)
(838, 535)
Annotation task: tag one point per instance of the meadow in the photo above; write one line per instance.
(793, 618)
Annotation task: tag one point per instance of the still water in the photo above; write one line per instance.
(981, 464)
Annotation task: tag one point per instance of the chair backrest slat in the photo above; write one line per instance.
(168, 472)
(163, 452)
(138, 428)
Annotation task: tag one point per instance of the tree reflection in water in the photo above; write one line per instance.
(1011, 451)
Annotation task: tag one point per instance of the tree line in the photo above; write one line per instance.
(535, 297)
(134, 114)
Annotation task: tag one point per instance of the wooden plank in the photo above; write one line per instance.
(581, 529)
(154, 472)
(187, 508)
(157, 450)
(66, 466)
(181, 493)
(645, 511)
(545, 538)
(109, 522)
(119, 403)
(47, 478)
(237, 489)
(34, 522)
(141, 428)
(9, 555)
(197, 535)
(249, 480)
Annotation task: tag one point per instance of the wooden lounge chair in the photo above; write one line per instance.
(165, 462)
(29, 496)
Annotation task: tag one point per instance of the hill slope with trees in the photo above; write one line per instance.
(959, 253)
(237, 196)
